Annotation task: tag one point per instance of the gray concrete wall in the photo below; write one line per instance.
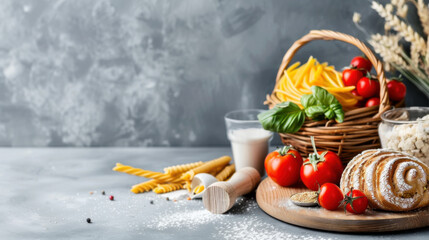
(152, 73)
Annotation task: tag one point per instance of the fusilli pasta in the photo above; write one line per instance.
(159, 177)
(226, 172)
(174, 170)
(164, 188)
(207, 167)
(144, 186)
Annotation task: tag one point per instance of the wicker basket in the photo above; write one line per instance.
(359, 131)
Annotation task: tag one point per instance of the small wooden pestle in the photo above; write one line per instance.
(221, 196)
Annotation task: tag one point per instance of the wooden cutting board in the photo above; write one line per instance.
(274, 200)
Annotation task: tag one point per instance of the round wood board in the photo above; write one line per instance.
(274, 200)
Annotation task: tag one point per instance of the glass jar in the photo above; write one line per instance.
(406, 130)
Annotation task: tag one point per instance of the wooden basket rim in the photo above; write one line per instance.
(332, 35)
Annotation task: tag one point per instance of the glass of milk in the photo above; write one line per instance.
(249, 141)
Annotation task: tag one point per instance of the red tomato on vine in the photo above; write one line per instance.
(283, 166)
(356, 202)
(321, 167)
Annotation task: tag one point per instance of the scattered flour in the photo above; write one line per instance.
(239, 223)
(186, 219)
(143, 213)
(176, 195)
(252, 228)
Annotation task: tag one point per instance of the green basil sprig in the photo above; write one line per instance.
(288, 117)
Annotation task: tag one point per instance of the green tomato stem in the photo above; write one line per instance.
(313, 144)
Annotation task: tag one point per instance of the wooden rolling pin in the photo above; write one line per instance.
(221, 196)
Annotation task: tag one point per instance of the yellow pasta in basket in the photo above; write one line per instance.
(207, 167)
(164, 188)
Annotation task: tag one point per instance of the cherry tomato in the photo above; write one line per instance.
(330, 196)
(361, 102)
(397, 90)
(283, 166)
(321, 167)
(375, 101)
(356, 202)
(362, 63)
(368, 87)
(351, 76)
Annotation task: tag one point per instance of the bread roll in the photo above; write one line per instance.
(392, 181)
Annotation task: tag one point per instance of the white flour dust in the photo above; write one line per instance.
(187, 219)
(252, 228)
(240, 223)
(148, 212)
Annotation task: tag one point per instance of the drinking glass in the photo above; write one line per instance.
(249, 141)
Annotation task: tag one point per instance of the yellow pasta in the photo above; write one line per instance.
(226, 173)
(207, 167)
(160, 177)
(172, 179)
(164, 188)
(297, 81)
(215, 171)
(199, 189)
(174, 170)
(187, 185)
(144, 186)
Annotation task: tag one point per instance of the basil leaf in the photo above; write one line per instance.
(307, 100)
(329, 113)
(332, 108)
(285, 117)
(339, 113)
(315, 112)
(323, 96)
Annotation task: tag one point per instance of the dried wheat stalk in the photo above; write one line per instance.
(414, 53)
(388, 48)
(399, 26)
(401, 7)
(427, 58)
(423, 12)
(414, 66)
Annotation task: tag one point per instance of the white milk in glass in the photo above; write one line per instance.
(249, 147)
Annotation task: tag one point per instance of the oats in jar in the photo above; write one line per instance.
(407, 130)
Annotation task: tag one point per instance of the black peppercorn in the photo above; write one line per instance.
(168, 199)
(88, 220)
(151, 201)
(103, 192)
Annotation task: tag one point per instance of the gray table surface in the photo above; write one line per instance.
(45, 194)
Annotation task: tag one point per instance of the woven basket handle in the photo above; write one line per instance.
(331, 35)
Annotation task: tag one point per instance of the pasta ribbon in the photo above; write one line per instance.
(297, 81)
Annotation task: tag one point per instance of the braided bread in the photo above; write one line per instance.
(392, 181)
